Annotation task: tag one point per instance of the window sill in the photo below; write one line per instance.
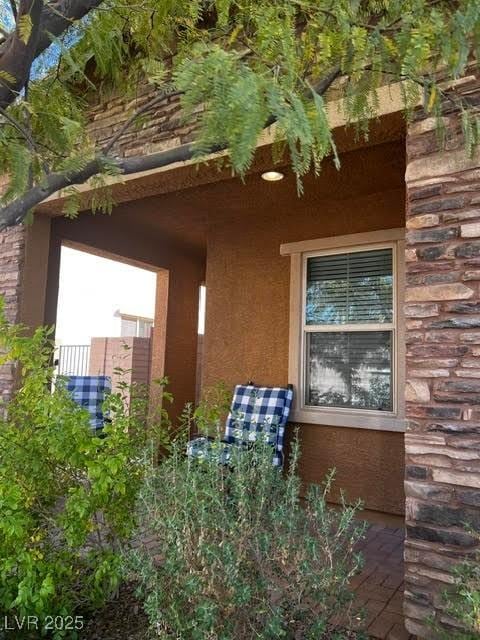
(350, 420)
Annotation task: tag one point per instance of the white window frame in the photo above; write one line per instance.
(299, 253)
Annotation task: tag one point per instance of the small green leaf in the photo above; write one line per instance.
(28, 220)
(155, 71)
(4, 75)
(24, 26)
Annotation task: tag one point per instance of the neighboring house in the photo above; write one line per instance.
(363, 293)
(132, 326)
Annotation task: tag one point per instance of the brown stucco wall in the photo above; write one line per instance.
(37, 247)
(175, 338)
(247, 283)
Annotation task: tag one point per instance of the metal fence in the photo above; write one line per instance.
(72, 359)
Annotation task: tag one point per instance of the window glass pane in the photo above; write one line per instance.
(350, 288)
(144, 328)
(351, 370)
(128, 328)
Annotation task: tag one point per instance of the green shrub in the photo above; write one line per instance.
(208, 418)
(463, 601)
(66, 496)
(238, 554)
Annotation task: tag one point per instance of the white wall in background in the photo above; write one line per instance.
(92, 289)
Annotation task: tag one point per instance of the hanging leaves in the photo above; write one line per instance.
(25, 26)
(7, 77)
(239, 66)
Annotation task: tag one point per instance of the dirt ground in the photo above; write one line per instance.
(123, 619)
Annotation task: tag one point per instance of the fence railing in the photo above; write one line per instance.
(72, 359)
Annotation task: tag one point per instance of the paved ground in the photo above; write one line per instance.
(379, 587)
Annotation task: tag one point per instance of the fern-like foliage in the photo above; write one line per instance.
(247, 64)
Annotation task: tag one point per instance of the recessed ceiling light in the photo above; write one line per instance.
(272, 176)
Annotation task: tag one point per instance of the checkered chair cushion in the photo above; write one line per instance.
(211, 449)
(255, 411)
(90, 392)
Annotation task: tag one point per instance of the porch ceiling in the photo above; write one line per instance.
(391, 126)
(180, 217)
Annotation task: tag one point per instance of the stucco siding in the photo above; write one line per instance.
(247, 322)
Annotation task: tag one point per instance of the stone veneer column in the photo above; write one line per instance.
(24, 261)
(12, 257)
(442, 312)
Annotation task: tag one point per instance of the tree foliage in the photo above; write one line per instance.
(66, 496)
(250, 63)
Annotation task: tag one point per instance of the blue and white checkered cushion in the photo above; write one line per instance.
(209, 449)
(259, 410)
(254, 411)
(90, 393)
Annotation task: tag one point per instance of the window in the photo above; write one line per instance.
(346, 341)
(128, 328)
(144, 329)
(136, 327)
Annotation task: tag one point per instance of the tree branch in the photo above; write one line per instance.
(17, 57)
(15, 212)
(325, 83)
(21, 130)
(145, 109)
(48, 20)
(58, 16)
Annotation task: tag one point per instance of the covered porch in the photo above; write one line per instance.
(227, 236)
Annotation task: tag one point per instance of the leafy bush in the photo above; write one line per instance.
(208, 418)
(66, 496)
(463, 601)
(238, 555)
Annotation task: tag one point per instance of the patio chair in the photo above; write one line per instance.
(90, 393)
(254, 411)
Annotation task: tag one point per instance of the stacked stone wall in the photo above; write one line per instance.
(12, 256)
(442, 314)
(163, 128)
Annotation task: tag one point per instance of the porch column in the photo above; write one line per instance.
(175, 333)
(12, 256)
(442, 312)
(23, 278)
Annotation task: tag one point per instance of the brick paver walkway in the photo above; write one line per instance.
(379, 587)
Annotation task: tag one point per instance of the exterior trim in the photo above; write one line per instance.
(338, 242)
(354, 418)
(348, 419)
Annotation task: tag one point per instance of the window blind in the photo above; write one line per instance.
(350, 369)
(350, 288)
